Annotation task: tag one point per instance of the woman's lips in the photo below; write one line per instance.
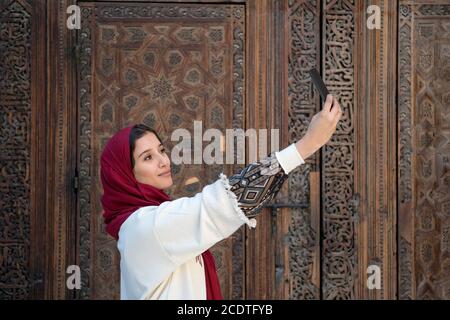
(165, 174)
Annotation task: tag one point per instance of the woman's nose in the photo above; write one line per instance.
(163, 162)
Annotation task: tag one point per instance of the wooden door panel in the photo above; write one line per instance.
(22, 159)
(163, 65)
(424, 145)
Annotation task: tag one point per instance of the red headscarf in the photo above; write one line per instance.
(123, 195)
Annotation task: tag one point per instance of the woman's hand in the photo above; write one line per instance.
(321, 128)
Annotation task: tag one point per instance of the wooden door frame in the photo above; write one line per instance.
(61, 126)
(376, 149)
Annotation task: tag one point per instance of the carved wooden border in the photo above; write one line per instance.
(17, 168)
(23, 141)
(239, 59)
(304, 229)
(406, 238)
(339, 252)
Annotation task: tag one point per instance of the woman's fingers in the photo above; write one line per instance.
(336, 111)
(336, 106)
(331, 111)
(328, 103)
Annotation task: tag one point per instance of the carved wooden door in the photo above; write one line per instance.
(376, 195)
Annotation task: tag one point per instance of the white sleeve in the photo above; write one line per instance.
(188, 226)
(289, 158)
(155, 240)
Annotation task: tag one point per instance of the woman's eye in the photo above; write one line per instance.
(147, 157)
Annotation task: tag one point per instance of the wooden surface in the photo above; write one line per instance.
(376, 194)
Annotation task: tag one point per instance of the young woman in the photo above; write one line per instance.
(163, 243)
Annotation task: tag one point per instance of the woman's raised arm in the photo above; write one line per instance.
(259, 182)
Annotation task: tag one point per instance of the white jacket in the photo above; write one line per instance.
(160, 246)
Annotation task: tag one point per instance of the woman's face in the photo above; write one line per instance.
(151, 163)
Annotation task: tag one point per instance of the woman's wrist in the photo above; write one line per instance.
(306, 146)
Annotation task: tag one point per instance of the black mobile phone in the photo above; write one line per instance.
(319, 84)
